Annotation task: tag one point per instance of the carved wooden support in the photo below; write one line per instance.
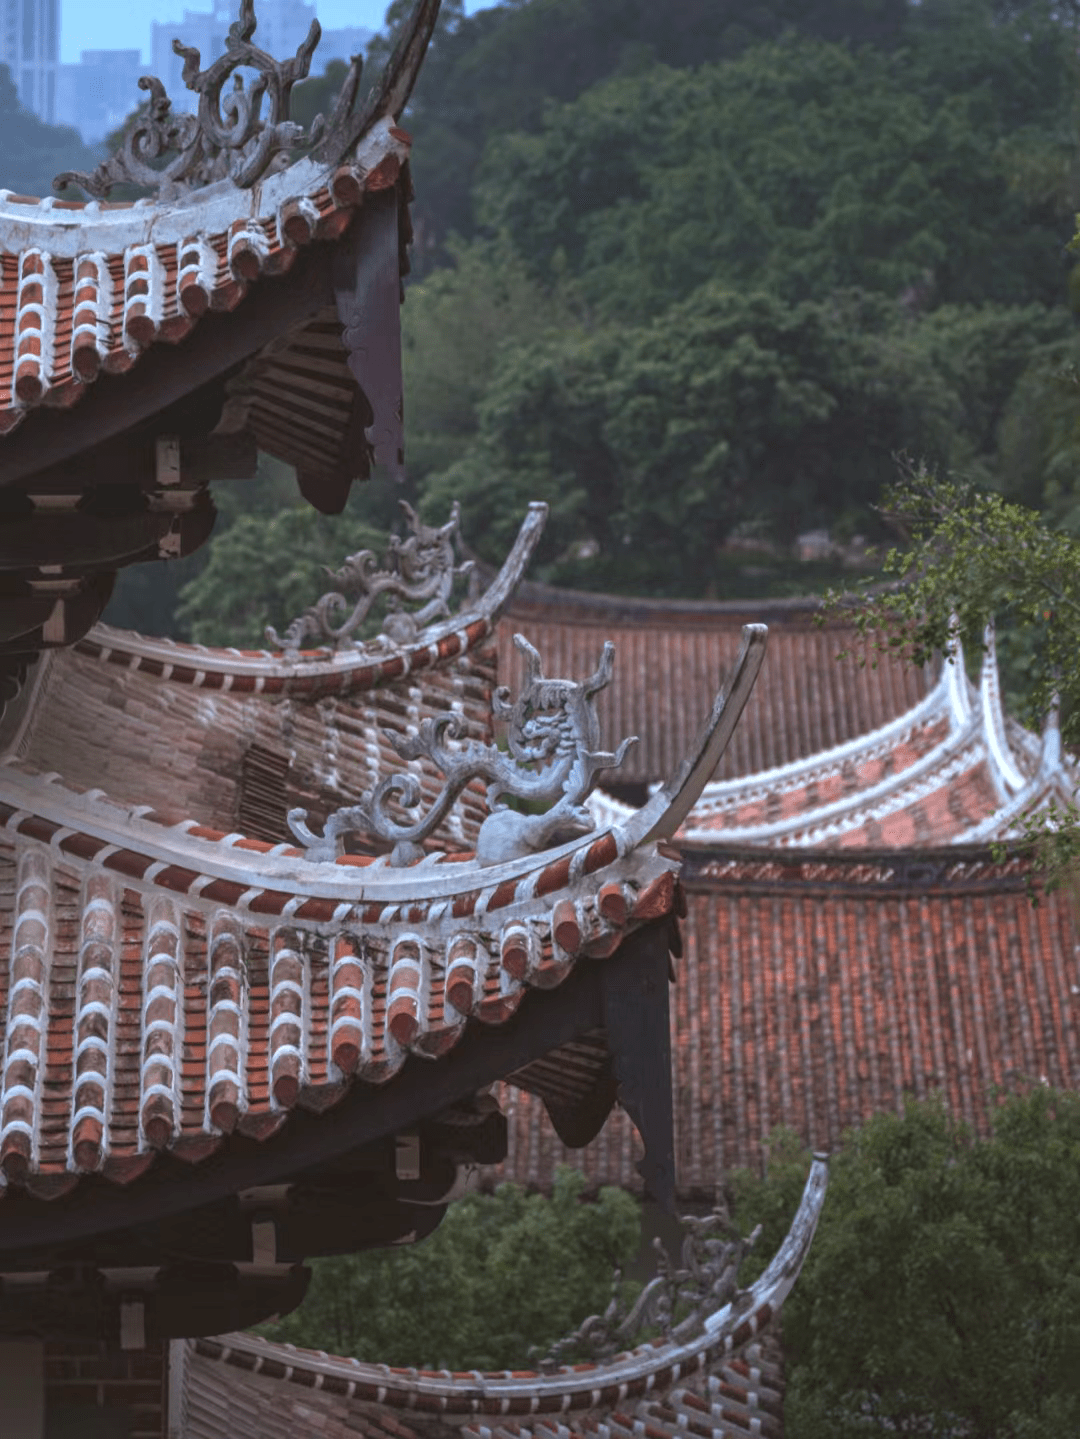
(635, 1001)
(367, 289)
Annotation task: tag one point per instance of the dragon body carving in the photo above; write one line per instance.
(552, 760)
(676, 1302)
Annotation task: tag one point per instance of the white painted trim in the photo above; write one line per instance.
(1006, 773)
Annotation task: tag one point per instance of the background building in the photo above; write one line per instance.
(283, 25)
(100, 92)
(30, 48)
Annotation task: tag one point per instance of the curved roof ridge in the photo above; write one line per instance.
(631, 608)
(186, 857)
(978, 733)
(1008, 776)
(360, 665)
(952, 757)
(173, 266)
(933, 705)
(385, 101)
(650, 1366)
(1054, 781)
(87, 287)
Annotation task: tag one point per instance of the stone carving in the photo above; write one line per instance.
(421, 569)
(552, 760)
(228, 138)
(677, 1302)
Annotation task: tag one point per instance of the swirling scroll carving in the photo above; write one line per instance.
(676, 1302)
(422, 570)
(229, 137)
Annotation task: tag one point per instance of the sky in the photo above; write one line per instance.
(123, 24)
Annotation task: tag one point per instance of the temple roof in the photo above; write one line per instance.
(953, 769)
(237, 739)
(671, 652)
(705, 1376)
(816, 990)
(149, 348)
(209, 983)
(171, 984)
(89, 287)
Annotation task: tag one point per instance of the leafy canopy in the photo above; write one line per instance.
(971, 557)
(733, 410)
(942, 1291)
(503, 1274)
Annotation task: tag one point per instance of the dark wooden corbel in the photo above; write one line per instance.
(367, 290)
(635, 1007)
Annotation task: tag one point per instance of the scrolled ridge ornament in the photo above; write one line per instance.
(229, 137)
(552, 760)
(422, 570)
(677, 1302)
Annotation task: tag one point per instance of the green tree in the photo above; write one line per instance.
(454, 325)
(799, 168)
(970, 557)
(502, 1274)
(497, 71)
(942, 1292)
(35, 152)
(653, 442)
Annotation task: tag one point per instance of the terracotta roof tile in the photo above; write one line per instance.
(816, 992)
(143, 1015)
(87, 289)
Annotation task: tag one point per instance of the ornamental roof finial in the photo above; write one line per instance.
(229, 137)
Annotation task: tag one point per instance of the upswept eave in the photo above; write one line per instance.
(87, 288)
(216, 982)
(956, 743)
(479, 1404)
(313, 673)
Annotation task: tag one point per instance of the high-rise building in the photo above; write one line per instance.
(30, 48)
(99, 93)
(341, 44)
(283, 24)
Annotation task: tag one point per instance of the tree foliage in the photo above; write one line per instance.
(34, 151)
(721, 264)
(970, 557)
(799, 168)
(498, 71)
(941, 1295)
(942, 1292)
(732, 410)
(503, 1274)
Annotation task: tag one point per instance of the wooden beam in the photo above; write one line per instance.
(167, 373)
(635, 996)
(367, 1113)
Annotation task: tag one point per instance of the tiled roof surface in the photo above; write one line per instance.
(168, 984)
(817, 991)
(185, 751)
(249, 1397)
(951, 770)
(672, 654)
(86, 289)
(722, 1379)
(236, 739)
